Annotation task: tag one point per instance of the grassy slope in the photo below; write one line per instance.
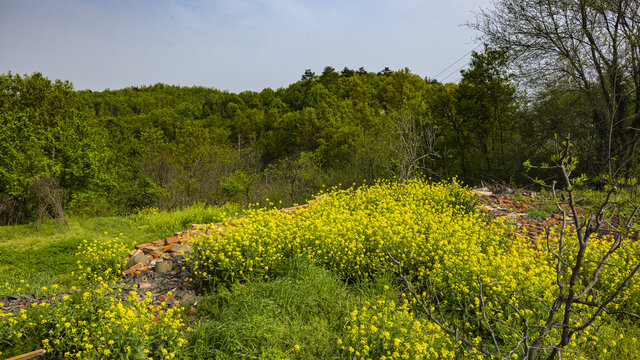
(306, 307)
(49, 258)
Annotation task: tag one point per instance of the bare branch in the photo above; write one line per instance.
(602, 306)
(430, 315)
(484, 316)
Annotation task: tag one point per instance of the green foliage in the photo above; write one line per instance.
(45, 132)
(306, 307)
(119, 151)
(115, 152)
(542, 211)
(237, 186)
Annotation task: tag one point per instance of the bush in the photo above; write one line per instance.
(100, 261)
(95, 324)
(347, 232)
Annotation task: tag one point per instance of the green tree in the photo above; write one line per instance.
(486, 104)
(593, 48)
(46, 132)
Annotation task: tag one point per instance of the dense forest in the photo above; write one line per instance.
(117, 151)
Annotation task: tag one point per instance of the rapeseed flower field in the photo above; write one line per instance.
(473, 272)
(486, 278)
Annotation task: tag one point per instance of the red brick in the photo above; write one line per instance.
(168, 247)
(158, 242)
(164, 297)
(132, 269)
(172, 240)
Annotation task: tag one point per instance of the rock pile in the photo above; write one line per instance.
(160, 266)
(514, 206)
(153, 255)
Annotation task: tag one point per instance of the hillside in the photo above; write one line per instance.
(318, 282)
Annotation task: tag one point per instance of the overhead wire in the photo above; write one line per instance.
(454, 71)
(455, 62)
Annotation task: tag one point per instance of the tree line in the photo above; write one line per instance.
(117, 151)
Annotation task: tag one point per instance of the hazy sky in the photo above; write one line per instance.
(229, 44)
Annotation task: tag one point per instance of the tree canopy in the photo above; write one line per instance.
(117, 151)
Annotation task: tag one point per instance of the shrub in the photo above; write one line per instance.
(100, 261)
(384, 331)
(95, 324)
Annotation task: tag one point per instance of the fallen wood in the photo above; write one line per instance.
(30, 355)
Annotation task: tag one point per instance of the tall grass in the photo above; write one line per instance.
(300, 315)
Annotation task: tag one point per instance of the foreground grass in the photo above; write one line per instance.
(300, 315)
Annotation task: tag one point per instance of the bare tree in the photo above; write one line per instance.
(579, 299)
(50, 199)
(9, 210)
(415, 143)
(586, 228)
(590, 45)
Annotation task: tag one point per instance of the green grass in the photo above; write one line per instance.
(266, 320)
(48, 258)
(542, 211)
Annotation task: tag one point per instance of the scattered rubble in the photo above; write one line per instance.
(513, 208)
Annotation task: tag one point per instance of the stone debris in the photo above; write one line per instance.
(138, 259)
(163, 267)
(513, 208)
(483, 191)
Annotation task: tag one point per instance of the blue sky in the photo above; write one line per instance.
(229, 44)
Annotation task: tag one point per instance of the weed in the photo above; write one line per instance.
(542, 211)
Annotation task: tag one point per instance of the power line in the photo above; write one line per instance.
(454, 71)
(455, 62)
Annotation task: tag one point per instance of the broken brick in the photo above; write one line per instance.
(172, 240)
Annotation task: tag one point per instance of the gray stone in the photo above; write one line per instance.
(482, 193)
(186, 249)
(190, 297)
(163, 267)
(137, 259)
(144, 286)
